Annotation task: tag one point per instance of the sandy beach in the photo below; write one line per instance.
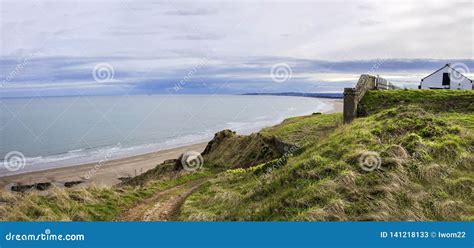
(106, 174)
(337, 106)
(109, 172)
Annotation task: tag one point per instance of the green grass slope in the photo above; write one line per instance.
(452, 101)
(425, 146)
(84, 204)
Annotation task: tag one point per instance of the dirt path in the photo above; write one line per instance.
(162, 206)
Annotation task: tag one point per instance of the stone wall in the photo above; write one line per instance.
(352, 96)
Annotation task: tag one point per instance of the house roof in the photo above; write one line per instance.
(447, 65)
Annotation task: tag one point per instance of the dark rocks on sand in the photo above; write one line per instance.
(123, 179)
(72, 183)
(42, 186)
(21, 188)
(38, 186)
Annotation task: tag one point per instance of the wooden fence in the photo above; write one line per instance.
(352, 96)
(383, 84)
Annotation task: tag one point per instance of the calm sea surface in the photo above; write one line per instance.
(61, 131)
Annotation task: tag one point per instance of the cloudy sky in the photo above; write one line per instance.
(140, 47)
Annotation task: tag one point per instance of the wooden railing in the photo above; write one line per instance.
(352, 96)
(383, 84)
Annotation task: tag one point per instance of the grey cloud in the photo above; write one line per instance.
(369, 22)
(192, 12)
(197, 36)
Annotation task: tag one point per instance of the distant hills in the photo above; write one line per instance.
(319, 95)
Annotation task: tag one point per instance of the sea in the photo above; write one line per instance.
(43, 133)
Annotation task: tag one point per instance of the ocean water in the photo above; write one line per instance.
(64, 131)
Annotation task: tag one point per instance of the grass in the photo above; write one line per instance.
(83, 204)
(295, 130)
(426, 173)
(423, 139)
(454, 101)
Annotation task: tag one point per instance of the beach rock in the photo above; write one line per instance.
(22, 188)
(43, 186)
(37, 186)
(72, 183)
(123, 179)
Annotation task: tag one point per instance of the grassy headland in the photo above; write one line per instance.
(309, 168)
(425, 146)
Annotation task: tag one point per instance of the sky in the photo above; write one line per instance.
(55, 48)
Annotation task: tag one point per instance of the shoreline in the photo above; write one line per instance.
(108, 172)
(337, 105)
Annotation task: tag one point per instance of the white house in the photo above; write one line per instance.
(446, 78)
